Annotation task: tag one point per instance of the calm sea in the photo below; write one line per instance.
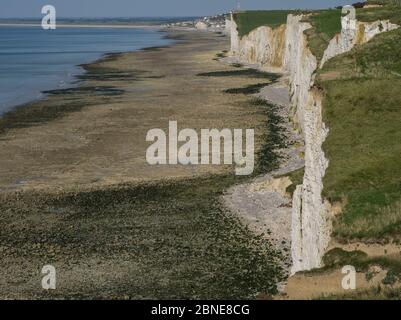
(33, 60)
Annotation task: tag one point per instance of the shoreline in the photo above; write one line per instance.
(80, 68)
(78, 162)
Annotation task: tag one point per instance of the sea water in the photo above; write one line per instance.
(33, 60)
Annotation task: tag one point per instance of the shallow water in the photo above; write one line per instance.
(33, 60)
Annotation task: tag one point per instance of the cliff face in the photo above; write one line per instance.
(264, 46)
(348, 38)
(310, 233)
(285, 49)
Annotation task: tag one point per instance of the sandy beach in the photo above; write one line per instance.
(97, 131)
(78, 193)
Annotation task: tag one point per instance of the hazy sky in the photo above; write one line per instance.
(148, 8)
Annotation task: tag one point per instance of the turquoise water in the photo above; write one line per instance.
(33, 60)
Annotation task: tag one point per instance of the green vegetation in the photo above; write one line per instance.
(362, 108)
(250, 20)
(177, 238)
(252, 73)
(221, 55)
(36, 113)
(388, 12)
(325, 25)
(338, 257)
(296, 178)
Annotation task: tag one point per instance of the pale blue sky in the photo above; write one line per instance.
(148, 8)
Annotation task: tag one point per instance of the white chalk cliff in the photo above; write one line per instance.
(349, 37)
(285, 49)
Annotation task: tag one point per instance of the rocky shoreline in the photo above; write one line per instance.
(79, 195)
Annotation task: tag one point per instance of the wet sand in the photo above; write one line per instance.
(102, 140)
(77, 192)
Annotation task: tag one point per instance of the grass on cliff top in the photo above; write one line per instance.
(325, 25)
(388, 12)
(250, 20)
(362, 108)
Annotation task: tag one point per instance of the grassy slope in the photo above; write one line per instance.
(362, 108)
(250, 20)
(391, 13)
(325, 25)
(364, 154)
